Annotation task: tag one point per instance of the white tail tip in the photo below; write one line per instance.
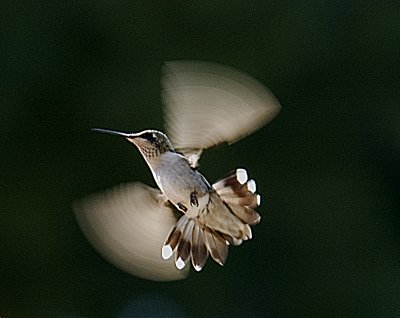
(251, 186)
(197, 268)
(179, 263)
(166, 252)
(241, 176)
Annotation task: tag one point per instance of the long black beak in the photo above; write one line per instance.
(113, 132)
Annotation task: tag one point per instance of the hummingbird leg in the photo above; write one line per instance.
(181, 207)
(161, 198)
(193, 199)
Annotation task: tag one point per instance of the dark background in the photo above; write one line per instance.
(327, 166)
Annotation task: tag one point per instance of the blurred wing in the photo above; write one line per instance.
(128, 226)
(206, 104)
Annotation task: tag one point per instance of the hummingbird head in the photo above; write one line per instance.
(151, 143)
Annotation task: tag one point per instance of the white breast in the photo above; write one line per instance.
(177, 180)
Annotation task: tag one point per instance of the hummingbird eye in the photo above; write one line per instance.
(150, 136)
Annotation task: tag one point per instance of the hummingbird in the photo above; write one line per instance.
(205, 104)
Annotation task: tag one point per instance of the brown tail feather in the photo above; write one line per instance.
(199, 251)
(244, 213)
(184, 245)
(217, 246)
(249, 200)
(175, 235)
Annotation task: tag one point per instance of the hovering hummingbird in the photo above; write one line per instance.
(205, 104)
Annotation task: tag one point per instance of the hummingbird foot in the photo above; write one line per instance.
(193, 199)
(181, 207)
(161, 199)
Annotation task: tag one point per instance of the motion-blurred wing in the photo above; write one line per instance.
(128, 226)
(206, 104)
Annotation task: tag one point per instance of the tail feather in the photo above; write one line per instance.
(199, 251)
(217, 246)
(247, 199)
(231, 240)
(239, 175)
(173, 239)
(246, 214)
(183, 248)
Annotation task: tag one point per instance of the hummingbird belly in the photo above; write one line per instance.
(185, 187)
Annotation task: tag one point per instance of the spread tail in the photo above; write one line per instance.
(226, 220)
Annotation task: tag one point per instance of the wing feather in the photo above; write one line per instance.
(127, 225)
(206, 104)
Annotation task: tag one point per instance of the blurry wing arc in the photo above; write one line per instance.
(206, 104)
(127, 225)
